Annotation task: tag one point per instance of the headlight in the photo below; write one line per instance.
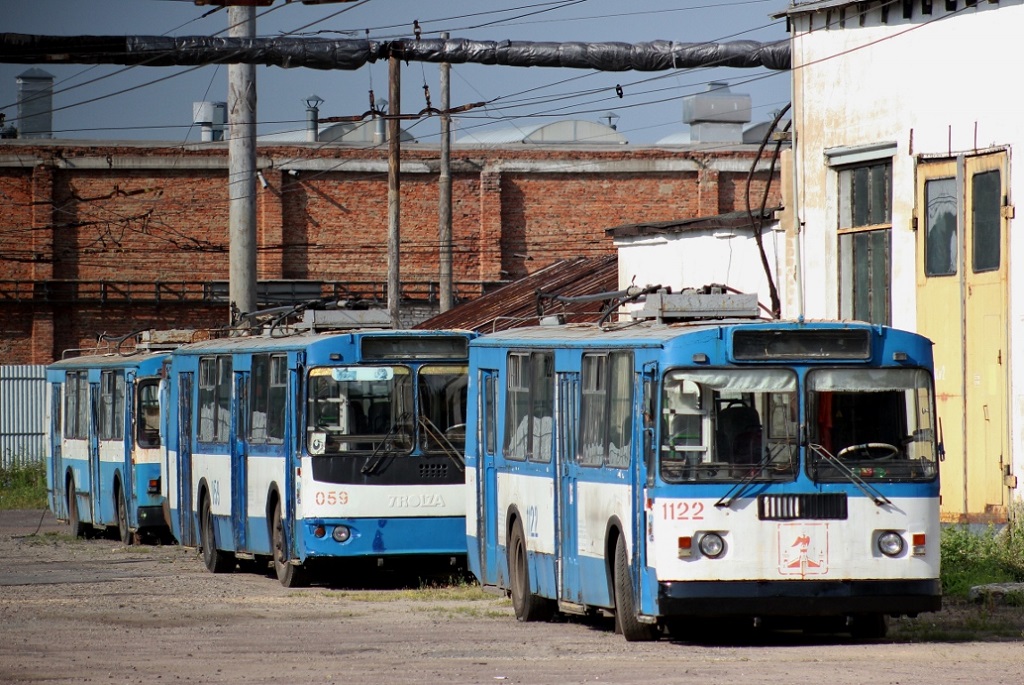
(890, 543)
(341, 533)
(711, 545)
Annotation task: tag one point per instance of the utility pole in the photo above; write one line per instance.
(394, 206)
(445, 189)
(242, 170)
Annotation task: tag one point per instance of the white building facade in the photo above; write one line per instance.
(905, 137)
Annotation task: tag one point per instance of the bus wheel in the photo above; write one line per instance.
(122, 519)
(868, 627)
(289, 574)
(78, 528)
(528, 606)
(625, 611)
(216, 561)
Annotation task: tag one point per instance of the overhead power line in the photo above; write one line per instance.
(320, 53)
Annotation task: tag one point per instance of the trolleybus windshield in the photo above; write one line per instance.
(729, 425)
(876, 423)
(359, 409)
(442, 395)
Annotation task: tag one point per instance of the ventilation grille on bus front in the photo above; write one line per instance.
(807, 506)
(433, 471)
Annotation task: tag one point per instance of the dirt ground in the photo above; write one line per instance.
(94, 611)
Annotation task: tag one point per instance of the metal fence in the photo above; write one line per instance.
(22, 415)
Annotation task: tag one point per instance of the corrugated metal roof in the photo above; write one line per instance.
(731, 220)
(516, 303)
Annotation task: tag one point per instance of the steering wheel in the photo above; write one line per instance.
(888, 451)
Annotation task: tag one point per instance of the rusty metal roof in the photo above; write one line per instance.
(515, 304)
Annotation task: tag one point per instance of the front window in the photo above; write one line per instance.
(443, 394)
(728, 425)
(359, 409)
(877, 423)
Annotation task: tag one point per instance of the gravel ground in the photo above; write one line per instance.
(76, 611)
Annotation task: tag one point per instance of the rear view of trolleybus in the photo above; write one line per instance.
(680, 471)
(104, 455)
(297, 449)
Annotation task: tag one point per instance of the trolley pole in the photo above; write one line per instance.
(394, 205)
(242, 170)
(445, 190)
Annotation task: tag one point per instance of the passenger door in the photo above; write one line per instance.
(186, 516)
(239, 447)
(487, 478)
(567, 537)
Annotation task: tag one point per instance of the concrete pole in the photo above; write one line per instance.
(242, 169)
(445, 190)
(394, 205)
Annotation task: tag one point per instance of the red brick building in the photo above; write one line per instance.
(108, 238)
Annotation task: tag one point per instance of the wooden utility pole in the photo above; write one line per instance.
(445, 190)
(394, 206)
(242, 170)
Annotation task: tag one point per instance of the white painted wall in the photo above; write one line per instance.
(692, 259)
(937, 84)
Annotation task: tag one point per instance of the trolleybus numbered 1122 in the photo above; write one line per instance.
(299, 448)
(677, 470)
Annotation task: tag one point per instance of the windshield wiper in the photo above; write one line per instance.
(434, 433)
(374, 461)
(737, 490)
(877, 497)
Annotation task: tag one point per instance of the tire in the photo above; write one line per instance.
(288, 573)
(528, 606)
(869, 627)
(78, 528)
(625, 609)
(215, 560)
(122, 518)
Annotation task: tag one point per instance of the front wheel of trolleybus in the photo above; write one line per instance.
(626, 621)
(288, 573)
(124, 532)
(528, 606)
(216, 561)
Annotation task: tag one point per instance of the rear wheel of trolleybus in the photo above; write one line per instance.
(216, 561)
(78, 528)
(528, 607)
(122, 516)
(288, 573)
(625, 610)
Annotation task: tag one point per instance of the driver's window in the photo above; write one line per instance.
(683, 415)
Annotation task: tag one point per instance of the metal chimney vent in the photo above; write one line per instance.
(211, 118)
(35, 104)
(717, 115)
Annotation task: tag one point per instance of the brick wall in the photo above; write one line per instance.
(91, 215)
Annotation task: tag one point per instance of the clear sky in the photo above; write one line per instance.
(116, 102)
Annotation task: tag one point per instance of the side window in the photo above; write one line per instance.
(148, 413)
(267, 393)
(529, 406)
(111, 411)
(606, 409)
(865, 227)
(214, 398)
(76, 405)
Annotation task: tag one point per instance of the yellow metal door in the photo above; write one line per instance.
(940, 315)
(962, 305)
(985, 273)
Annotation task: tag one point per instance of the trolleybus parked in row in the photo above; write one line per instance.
(105, 454)
(313, 446)
(677, 470)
